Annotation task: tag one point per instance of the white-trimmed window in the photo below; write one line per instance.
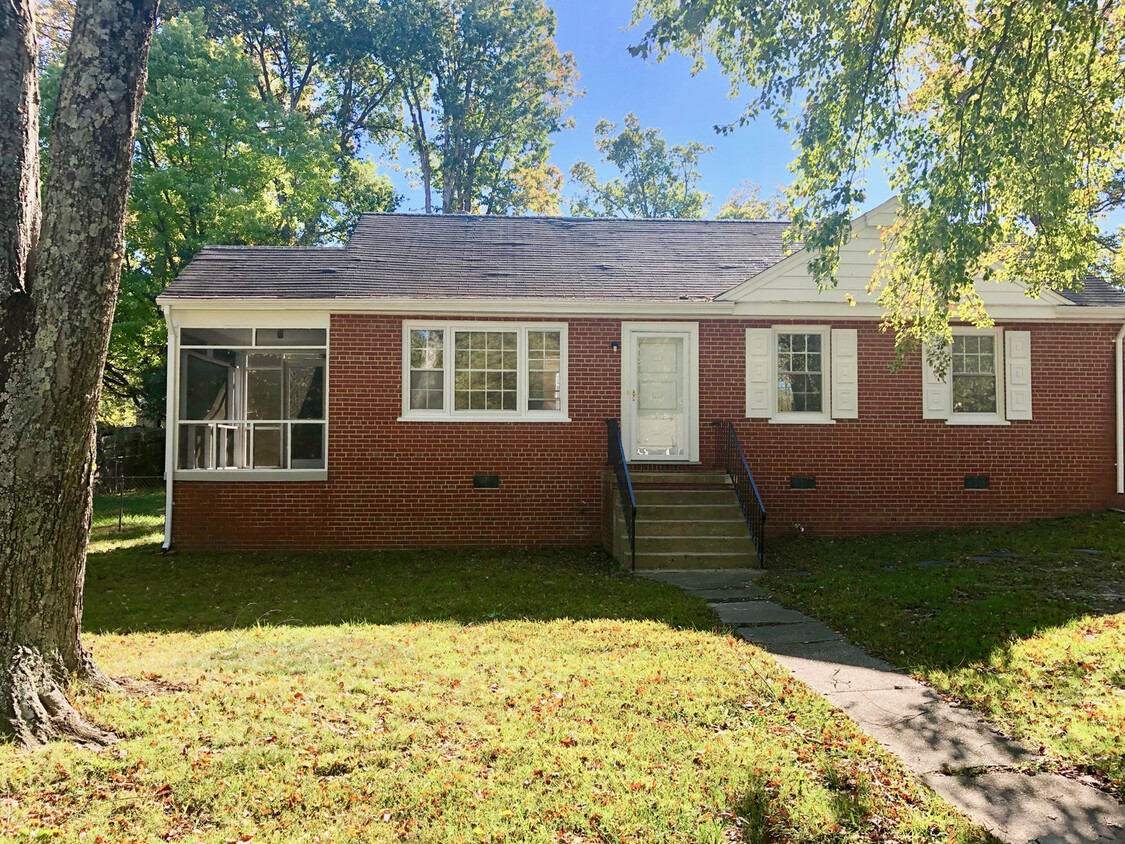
(987, 379)
(974, 373)
(801, 377)
(801, 373)
(251, 399)
(484, 371)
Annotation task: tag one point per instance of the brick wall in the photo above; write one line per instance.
(409, 484)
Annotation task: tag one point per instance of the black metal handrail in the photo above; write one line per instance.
(615, 456)
(729, 456)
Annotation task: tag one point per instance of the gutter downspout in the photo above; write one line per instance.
(1117, 349)
(170, 425)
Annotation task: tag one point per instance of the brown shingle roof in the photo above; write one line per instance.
(1094, 292)
(426, 256)
(403, 256)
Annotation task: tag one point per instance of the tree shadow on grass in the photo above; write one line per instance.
(935, 600)
(139, 590)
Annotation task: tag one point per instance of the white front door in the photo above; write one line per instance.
(660, 405)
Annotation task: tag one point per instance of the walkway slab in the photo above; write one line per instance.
(927, 733)
(758, 612)
(827, 677)
(803, 632)
(837, 656)
(935, 739)
(749, 592)
(1044, 808)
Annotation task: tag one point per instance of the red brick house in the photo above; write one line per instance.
(447, 380)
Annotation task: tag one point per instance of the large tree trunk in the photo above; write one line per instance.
(58, 285)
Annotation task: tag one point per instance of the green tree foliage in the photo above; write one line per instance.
(484, 87)
(747, 203)
(215, 162)
(656, 180)
(1001, 124)
(319, 58)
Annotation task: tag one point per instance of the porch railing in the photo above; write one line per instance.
(729, 456)
(615, 456)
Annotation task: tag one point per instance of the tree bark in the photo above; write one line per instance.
(60, 280)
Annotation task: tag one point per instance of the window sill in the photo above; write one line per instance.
(801, 419)
(242, 475)
(483, 417)
(972, 419)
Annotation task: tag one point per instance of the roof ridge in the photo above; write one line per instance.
(567, 219)
(246, 246)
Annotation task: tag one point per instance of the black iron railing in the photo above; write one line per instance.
(615, 456)
(729, 456)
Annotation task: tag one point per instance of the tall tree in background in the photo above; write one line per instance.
(488, 76)
(218, 163)
(656, 180)
(230, 149)
(60, 264)
(321, 59)
(747, 203)
(1002, 124)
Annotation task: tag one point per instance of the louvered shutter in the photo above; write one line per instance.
(1017, 374)
(845, 373)
(937, 397)
(759, 365)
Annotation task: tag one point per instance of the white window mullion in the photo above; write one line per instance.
(523, 378)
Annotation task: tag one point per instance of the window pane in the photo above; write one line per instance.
(268, 447)
(800, 376)
(482, 359)
(263, 393)
(307, 447)
(291, 336)
(426, 390)
(427, 373)
(230, 446)
(195, 447)
(304, 376)
(205, 382)
(973, 373)
(426, 349)
(544, 363)
(215, 337)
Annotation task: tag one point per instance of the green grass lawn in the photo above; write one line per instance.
(469, 696)
(1033, 637)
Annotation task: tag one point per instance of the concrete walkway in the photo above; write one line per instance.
(947, 747)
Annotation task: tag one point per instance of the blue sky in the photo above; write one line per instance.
(665, 96)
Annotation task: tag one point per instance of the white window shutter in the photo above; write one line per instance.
(1017, 374)
(759, 366)
(937, 395)
(845, 373)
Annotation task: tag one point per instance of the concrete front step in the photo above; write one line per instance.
(696, 544)
(646, 496)
(649, 561)
(690, 527)
(686, 520)
(690, 512)
(679, 480)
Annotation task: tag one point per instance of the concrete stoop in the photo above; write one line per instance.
(685, 520)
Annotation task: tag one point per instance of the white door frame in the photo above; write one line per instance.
(629, 333)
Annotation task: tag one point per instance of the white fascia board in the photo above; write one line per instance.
(308, 313)
(840, 311)
(300, 308)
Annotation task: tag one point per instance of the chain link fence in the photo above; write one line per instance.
(130, 469)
